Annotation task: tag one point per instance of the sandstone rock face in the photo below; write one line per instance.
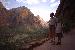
(21, 16)
(3, 15)
(66, 11)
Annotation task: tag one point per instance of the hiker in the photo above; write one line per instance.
(52, 28)
(59, 32)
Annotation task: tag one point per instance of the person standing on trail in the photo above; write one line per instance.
(59, 31)
(52, 24)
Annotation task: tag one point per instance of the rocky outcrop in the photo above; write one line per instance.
(66, 12)
(3, 15)
(21, 16)
(25, 17)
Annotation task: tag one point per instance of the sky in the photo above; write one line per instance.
(43, 8)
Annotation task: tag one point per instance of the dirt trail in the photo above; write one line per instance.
(68, 43)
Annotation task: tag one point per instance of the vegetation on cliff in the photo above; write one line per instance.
(66, 12)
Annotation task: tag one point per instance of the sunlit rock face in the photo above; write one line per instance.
(25, 17)
(21, 16)
(66, 11)
(3, 15)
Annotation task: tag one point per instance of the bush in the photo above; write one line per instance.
(13, 38)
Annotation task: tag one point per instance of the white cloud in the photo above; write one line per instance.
(19, 1)
(52, 1)
(55, 4)
(7, 8)
(29, 1)
(33, 1)
(44, 0)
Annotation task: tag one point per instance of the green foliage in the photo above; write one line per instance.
(12, 38)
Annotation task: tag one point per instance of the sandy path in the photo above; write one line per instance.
(68, 43)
